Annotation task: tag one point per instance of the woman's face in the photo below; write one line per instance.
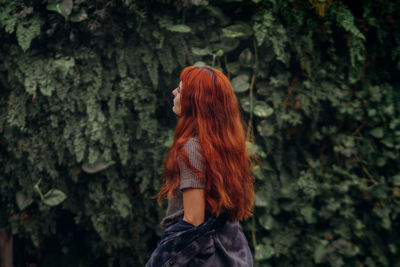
(177, 99)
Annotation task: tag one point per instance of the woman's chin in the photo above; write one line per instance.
(174, 109)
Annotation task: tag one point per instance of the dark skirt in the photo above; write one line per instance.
(215, 242)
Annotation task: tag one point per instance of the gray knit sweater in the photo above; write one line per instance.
(188, 180)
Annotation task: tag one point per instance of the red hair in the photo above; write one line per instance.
(210, 112)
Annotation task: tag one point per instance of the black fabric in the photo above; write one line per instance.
(216, 242)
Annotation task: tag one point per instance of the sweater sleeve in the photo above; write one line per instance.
(188, 178)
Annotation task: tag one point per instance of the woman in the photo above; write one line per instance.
(207, 177)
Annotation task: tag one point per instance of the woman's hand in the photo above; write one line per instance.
(194, 205)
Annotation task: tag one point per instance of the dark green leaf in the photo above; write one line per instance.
(66, 6)
(377, 132)
(79, 16)
(179, 28)
(54, 197)
(219, 53)
(22, 200)
(27, 31)
(237, 31)
(245, 103)
(309, 214)
(99, 165)
(396, 180)
(263, 252)
(240, 83)
(265, 128)
(267, 221)
(320, 251)
(200, 64)
(201, 51)
(55, 7)
(262, 109)
(260, 200)
(246, 57)
(229, 44)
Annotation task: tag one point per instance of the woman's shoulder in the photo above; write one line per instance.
(192, 144)
(193, 150)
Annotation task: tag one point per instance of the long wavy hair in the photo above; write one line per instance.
(210, 112)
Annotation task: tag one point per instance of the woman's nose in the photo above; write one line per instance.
(174, 92)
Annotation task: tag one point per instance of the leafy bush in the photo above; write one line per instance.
(86, 120)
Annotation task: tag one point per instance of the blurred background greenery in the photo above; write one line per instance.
(85, 122)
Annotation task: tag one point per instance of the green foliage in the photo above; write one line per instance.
(26, 31)
(86, 109)
(7, 20)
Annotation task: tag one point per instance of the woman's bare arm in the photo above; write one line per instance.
(194, 205)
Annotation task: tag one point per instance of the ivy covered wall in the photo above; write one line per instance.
(85, 121)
